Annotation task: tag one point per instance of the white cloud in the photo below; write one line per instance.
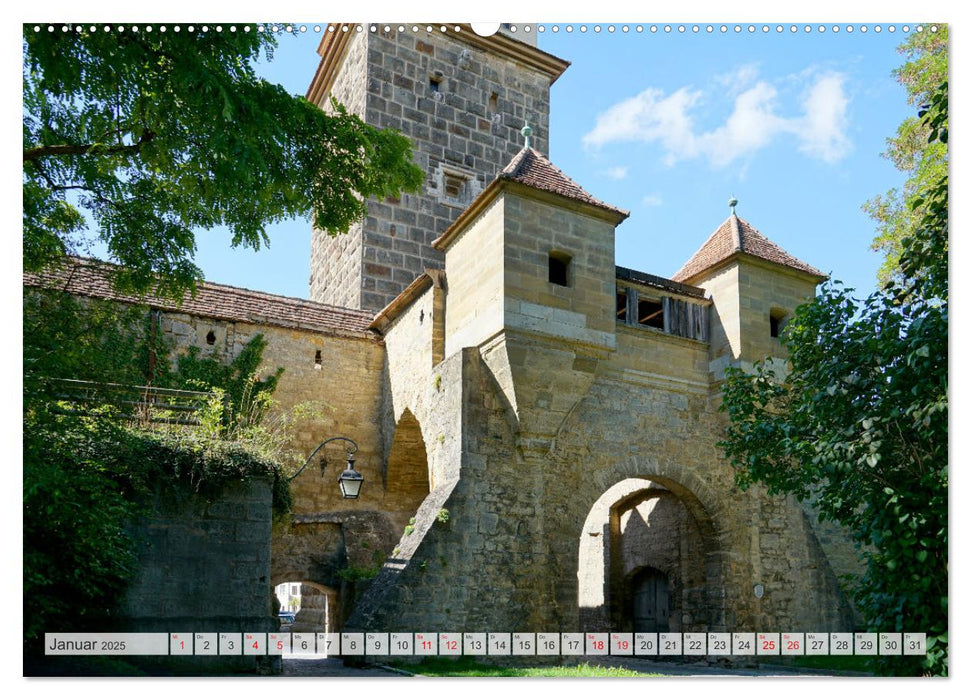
(739, 78)
(652, 200)
(822, 129)
(616, 173)
(755, 121)
(647, 117)
(751, 126)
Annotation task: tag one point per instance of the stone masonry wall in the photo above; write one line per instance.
(660, 533)
(474, 571)
(654, 432)
(204, 566)
(763, 287)
(464, 133)
(474, 298)
(507, 557)
(583, 310)
(337, 396)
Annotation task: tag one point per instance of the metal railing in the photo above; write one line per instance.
(141, 403)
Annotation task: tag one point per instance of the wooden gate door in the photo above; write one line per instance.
(650, 601)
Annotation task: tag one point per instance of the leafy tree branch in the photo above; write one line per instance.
(147, 138)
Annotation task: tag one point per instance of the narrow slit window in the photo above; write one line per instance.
(560, 269)
(211, 338)
(622, 305)
(494, 102)
(435, 81)
(650, 313)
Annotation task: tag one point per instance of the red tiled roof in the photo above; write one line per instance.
(93, 278)
(736, 235)
(530, 167)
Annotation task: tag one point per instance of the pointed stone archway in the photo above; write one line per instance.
(407, 479)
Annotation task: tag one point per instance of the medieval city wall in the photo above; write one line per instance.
(670, 437)
(745, 293)
(472, 571)
(430, 392)
(537, 226)
(526, 487)
(765, 288)
(331, 386)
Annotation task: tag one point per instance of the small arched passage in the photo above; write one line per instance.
(652, 535)
(318, 609)
(314, 605)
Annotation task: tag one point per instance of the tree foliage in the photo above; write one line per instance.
(155, 135)
(87, 481)
(924, 162)
(859, 425)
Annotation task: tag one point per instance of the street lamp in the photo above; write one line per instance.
(350, 480)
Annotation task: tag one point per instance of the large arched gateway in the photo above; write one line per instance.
(649, 560)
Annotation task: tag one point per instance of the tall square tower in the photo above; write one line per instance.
(461, 99)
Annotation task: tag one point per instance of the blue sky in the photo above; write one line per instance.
(670, 125)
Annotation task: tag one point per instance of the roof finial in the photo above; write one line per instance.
(526, 131)
(732, 202)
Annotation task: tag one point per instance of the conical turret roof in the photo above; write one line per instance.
(532, 168)
(736, 236)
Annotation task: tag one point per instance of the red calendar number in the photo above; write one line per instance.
(768, 645)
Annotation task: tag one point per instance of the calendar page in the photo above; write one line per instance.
(525, 348)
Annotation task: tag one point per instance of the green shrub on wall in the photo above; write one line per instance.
(246, 397)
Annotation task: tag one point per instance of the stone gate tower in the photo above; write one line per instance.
(461, 99)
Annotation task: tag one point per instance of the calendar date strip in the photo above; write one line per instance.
(377, 644)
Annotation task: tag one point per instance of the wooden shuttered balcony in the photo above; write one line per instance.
(669, 314)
